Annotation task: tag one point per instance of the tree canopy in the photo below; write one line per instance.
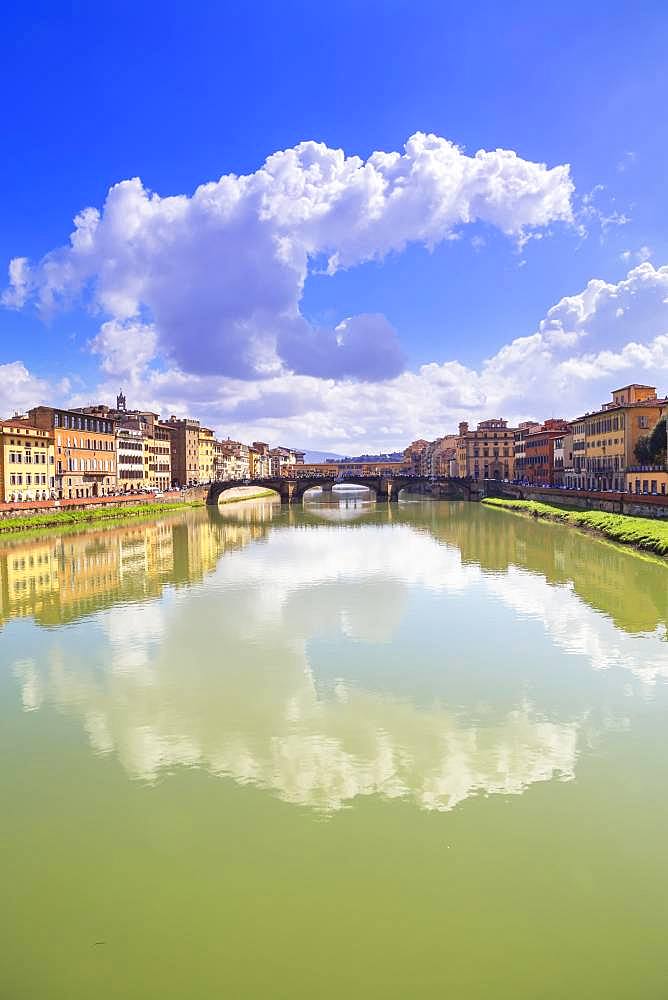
(651, 449)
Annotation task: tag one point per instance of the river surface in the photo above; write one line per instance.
(336, 751)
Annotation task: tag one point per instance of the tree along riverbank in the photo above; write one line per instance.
(640, 532)
(61, 518)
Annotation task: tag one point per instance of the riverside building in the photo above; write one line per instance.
(259, 461)
(282, 460)
(84, 451)
(155, 451)
(129, 459)
(539, 464)
(184, 443)
(27, 465)
(488, 451)
(604, 441)
(206, 444)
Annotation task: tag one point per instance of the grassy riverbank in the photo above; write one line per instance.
(640, 532)
(68, 518)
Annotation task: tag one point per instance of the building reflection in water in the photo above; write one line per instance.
(341, 659)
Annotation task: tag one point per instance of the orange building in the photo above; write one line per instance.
(85, 455)
(539, 464)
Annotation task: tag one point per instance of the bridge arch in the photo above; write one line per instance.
(302, 486)
(219, 489)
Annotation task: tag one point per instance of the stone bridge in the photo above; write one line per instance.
(385, 488)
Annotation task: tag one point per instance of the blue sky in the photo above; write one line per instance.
(179, 96)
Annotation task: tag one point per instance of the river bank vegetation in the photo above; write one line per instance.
(65, 518)
(642, 533)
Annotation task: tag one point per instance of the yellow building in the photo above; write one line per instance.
(160, 459)
(604, 442)
(647, 479)
(206, 455)
(26, 462)
(652, 479)
(28, 577)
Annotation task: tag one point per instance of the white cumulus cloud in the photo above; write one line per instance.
(20, 389)
(220, 274)
(607, 333)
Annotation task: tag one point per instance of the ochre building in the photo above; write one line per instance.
(604, 441)
(26, 462)
(184, 444)
(488, 451)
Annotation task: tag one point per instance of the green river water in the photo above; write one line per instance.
(339, 751)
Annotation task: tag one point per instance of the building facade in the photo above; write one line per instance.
(563, 456)
(159, 457)
(281, 460)
(259, 460)
(439, 455)
(416, 456)
(652, 479)
(84, 451)
(232, 460)
(604, 441)
(519, 446)
(27, 462)
(155, 447)
(488, 451)
(184, 447)
(206, 443)
(539, 464)
(129, 459)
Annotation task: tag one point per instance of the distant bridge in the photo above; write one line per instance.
(385, 488)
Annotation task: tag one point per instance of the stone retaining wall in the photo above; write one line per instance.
(27, 507)
(636, 505)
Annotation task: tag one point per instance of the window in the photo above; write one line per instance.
(643, 421)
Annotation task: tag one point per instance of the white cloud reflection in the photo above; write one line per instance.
(229, 677)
